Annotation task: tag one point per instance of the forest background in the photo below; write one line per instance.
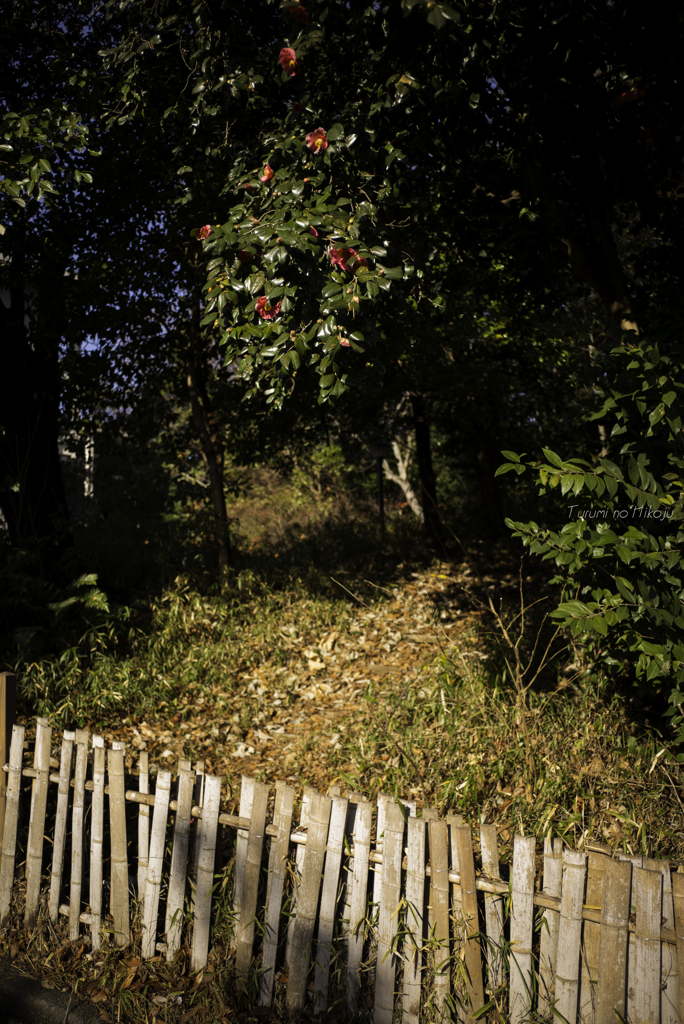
(241, 242)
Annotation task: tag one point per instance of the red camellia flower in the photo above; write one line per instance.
(288, 61)
(264, 310)
(267, 175)
(244, 256)
(629, 97)
(299, 13)
(317, 141)
(203, 232)
(297, 107)
(346, 259)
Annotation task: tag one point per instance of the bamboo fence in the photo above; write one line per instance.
(360, 901)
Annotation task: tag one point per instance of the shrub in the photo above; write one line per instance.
(619, 554)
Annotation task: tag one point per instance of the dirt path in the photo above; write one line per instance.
(289, 712)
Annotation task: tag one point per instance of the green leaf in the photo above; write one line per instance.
(335, 133)
(599, 625)
(572, 609)
(653, 649)
(552, 458)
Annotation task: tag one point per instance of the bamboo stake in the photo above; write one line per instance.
(205, 872)
(308, 795)
(60, 825)
(494, 910)
(250, 890)
(9, 852)
(326, 917)
(143, 829)
(613, 942)
(430, 814)
(179, 864)
(439, 903)
(97, 840)
(119, 905)
(548, 946)
(455, 821)
(199, 800)
(34, 849)
(473, 957)
(357, 909)
(246, 802)
(307, 900)
(348, 869)
(678, 900)
(277, 865)
(388, 919)
(570, 934)
(81, 740)
(669, 979)
(155, 865)
(382, 800)
(522, 913)
(596, 866)
(415, 900)
(645, 984)
(637, 862)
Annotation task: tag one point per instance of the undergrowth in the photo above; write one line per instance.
(508, 725)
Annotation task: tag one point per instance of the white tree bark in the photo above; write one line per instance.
(401, 477)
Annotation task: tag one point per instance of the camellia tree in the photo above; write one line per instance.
(337, 166)
(334, 154)
(314, 131)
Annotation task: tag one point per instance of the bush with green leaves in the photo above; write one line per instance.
(619, 552)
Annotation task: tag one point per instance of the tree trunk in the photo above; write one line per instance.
(32, 496)
(208, 431)
(428, 487)
(482, 441)
(401, 477)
